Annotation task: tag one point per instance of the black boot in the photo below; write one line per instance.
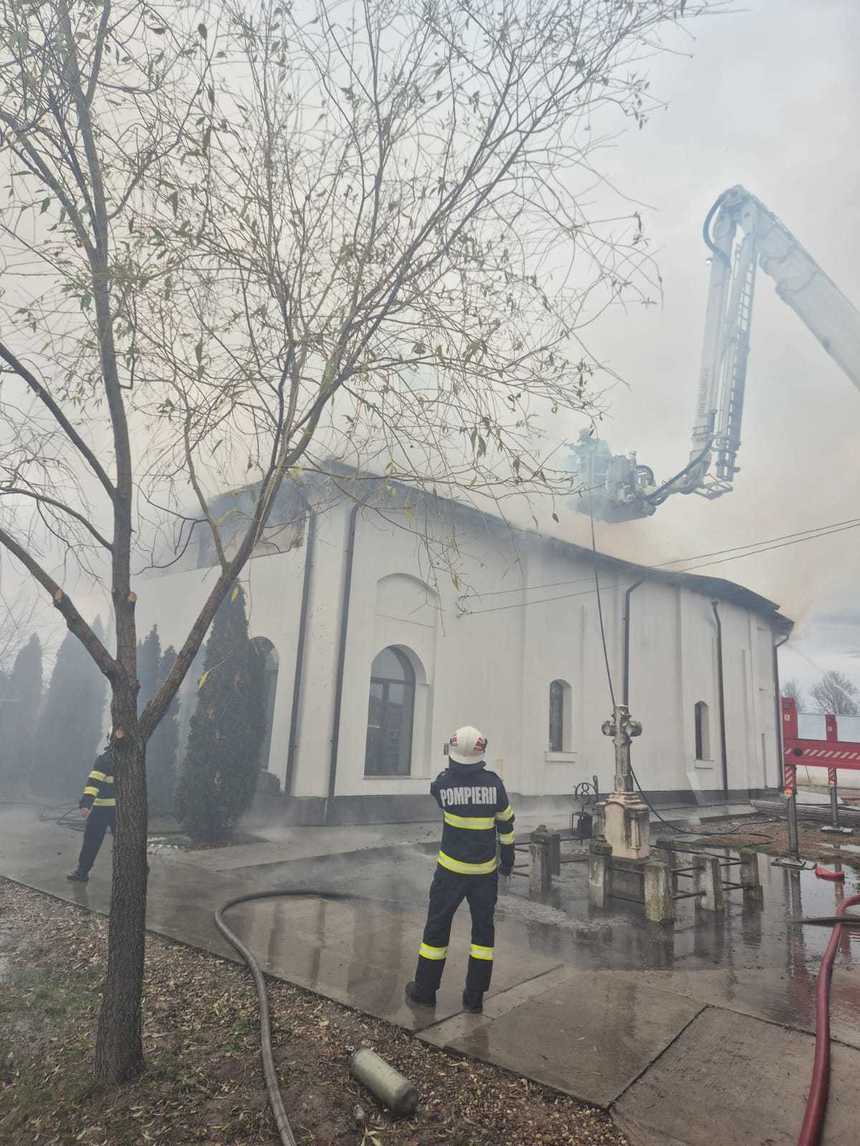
(473, 1001)
(413, 995)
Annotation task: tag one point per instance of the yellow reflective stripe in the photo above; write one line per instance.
(96, 775)
(89, 791)
(462, 868)
(477, 823)
(481, 952)
(507, 838)
(108, 803)
(432, 952)
(507, 814)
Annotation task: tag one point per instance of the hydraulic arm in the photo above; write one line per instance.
(742, 235)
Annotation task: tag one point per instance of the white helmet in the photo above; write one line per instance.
(467, 746)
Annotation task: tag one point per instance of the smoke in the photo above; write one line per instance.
(748, 105)
(764, 96)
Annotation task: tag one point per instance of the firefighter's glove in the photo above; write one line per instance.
(506, 871)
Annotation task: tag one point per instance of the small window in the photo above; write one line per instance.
(559, 716)
(388, 751)
(703, 731)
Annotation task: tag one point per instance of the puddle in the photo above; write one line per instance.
(745, 937)
(168, 843)
(177, 841)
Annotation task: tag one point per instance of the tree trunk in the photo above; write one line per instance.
(119, 1044)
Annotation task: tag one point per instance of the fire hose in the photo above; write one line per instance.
(276, 1100)
(380, 1077)
(816, 1103)
(273, 1089)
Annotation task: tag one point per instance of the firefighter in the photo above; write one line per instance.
(475, 812)
(98, 805)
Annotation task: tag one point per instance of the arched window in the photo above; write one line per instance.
(390, 712)
(559, 716)
(703, 731)
(267, 677)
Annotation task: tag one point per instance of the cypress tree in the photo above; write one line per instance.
(188, 691)
(148, 665)
(71, 724)
(162, 747)
(221, 765)
(22, 696)
(257, 670)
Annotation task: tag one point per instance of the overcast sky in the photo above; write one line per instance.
(767, 97)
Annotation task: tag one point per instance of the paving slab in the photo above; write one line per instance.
(589, 1034)
(737, 1081)
(363, 952)
(771, 994)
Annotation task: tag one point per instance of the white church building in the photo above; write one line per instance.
(377, 652)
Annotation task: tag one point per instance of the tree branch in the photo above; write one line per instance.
(65, 606)
(101, 274)
(101, 36)
(60, 418)
(45, 499)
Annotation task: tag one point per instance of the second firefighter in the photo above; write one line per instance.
(98, 805)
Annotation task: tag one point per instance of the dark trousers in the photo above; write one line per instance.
(98, 822)
(447, 892)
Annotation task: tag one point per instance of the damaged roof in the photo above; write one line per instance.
(297, 493)
(716, 588)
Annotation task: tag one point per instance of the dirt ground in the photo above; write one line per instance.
(772, 837)
(203, 1082)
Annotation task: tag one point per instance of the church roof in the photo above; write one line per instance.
(366, 487)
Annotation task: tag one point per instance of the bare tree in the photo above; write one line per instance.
(790, 688)
(237, 237)
(836, 693)
(17, 621)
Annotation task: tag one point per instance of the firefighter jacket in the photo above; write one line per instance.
(98, 792)
(476, 812)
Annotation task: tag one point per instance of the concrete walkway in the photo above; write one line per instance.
(696, 1034)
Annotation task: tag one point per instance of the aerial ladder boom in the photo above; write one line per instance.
(803, 285)
(742, 235)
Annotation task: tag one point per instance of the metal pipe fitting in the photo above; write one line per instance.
(388, 1084)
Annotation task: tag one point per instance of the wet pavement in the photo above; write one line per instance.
(736, 1081)
(597, 1004)
(588, 1033)
(306, 843)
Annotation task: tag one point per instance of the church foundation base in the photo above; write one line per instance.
(310, 811)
